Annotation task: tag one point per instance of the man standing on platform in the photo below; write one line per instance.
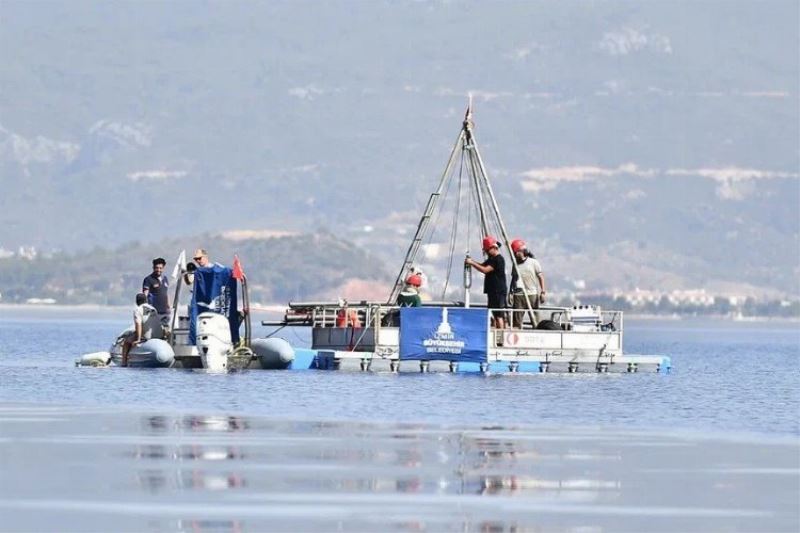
(494, 282)
(201, 260)
(530, 282)
(156, 288)
(409, 296)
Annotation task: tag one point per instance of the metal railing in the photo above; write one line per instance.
(604, 321)
(372, 314)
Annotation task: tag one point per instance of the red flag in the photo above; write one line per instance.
(238, 273)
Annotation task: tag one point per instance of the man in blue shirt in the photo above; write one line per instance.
(156, 288)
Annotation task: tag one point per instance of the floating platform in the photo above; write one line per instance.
(440, 338)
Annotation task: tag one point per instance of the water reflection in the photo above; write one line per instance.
(113, 472)
(232, 526)
(516, 484)
(161, 424)
(156, 481)
(282, 457)
(152, 481)
(201, 480)
(497, 527)
(194, 452)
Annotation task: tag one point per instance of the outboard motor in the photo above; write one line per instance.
(214, 341)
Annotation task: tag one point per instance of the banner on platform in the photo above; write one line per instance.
(444, 333)
(214, 290)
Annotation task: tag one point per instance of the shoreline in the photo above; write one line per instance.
(98, 308)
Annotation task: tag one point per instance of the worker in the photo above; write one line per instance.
(494, 281)
(146, 326)
(409, 296)
(529, 283)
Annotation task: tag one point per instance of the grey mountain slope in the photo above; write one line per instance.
(334, 115)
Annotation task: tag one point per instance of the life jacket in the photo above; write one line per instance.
(347, 318)
(409, 297)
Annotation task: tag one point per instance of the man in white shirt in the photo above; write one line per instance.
(529, 282)
(146, 326)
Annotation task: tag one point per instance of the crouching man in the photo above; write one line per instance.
(146, 326)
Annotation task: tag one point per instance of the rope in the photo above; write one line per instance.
(492, 221)
(475, 205)
(454, 232)
(491, 224)
(434, 221)
(374, 321)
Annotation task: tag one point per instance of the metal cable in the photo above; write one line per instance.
(438, 213)
(454, 232)
(475, 202)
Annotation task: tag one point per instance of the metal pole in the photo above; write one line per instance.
(471, 148)
(246, 309)
(475, 171)
(175, 301)
(467, 283)
(423, 222)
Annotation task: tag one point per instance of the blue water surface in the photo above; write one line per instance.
(726, 377)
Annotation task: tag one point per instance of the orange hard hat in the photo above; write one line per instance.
(517, 245)
(415, 280)
(488, 242)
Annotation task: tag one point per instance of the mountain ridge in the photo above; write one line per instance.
(674, 126)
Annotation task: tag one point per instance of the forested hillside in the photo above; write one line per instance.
(278, 269)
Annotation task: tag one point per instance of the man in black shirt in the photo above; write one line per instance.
(156, 288)
(494, 282)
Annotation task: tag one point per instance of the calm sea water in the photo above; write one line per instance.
(712, 446)
(727, 376)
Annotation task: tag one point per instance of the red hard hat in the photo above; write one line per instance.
(415, 280)
(517, 245)
(488, 242)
